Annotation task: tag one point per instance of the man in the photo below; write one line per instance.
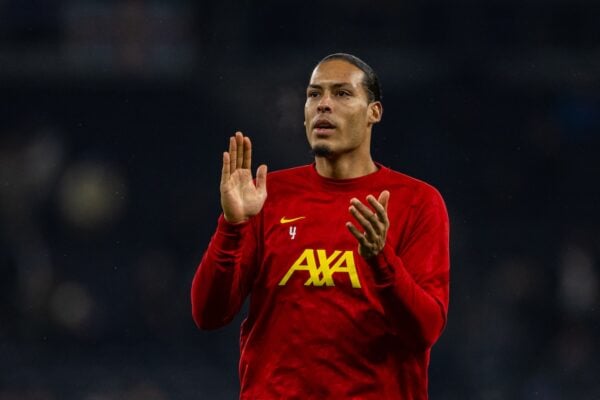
(346, 261)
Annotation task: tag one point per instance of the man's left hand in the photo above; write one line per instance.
(375, 224)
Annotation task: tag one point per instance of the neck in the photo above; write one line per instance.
(345, 166)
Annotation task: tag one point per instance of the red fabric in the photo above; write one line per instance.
(323, 334)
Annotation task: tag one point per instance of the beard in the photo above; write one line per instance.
(322, 150)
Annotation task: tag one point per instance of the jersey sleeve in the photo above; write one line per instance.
(224, 276)
(413, 279)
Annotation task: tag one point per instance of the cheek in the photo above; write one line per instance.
(357, 120)
(307, 114)
(357, 126)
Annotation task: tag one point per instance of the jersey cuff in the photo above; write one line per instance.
(382, 264)
(228, 236)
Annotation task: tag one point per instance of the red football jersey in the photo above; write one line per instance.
(323, 322)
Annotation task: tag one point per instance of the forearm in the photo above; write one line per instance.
(217, 289)
(417, 311)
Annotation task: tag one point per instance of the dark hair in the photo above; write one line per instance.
(370, 80)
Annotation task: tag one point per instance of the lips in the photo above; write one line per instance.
(323, 126)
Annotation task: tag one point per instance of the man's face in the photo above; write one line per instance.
(337, 113)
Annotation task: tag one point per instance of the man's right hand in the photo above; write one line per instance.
(240, 197)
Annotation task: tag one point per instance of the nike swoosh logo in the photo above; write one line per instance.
(285, 220)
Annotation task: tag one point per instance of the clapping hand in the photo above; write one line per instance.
(240, 197)
(375, 224)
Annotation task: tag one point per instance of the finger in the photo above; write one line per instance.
(365, 211)
(225, 172)
(357, 234)
(239, 140)
(368, 227)
(232, 154)
(384, 198)
(247, 153)
(261, 178)
(380, 209)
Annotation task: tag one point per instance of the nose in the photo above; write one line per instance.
(324, 104)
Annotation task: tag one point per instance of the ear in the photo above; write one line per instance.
(375, 112)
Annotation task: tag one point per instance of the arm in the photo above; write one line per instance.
(413, 280)
(224, 276)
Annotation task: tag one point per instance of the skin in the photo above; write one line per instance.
(335, 94)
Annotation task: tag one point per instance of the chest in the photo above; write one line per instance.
(307, 244)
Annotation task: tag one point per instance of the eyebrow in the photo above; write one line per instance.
(334, 85)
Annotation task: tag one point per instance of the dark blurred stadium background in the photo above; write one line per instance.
(113, 117)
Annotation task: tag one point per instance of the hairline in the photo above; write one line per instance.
(365, 68)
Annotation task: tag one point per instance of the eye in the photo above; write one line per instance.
(312, 93)
(343, 93)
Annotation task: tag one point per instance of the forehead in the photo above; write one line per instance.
(336, 72)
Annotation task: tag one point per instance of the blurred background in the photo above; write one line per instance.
(113, 119)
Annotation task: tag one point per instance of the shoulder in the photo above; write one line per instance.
(418, 190)
(287, 172)
(425, 201)
(288, 175)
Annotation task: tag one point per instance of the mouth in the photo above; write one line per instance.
(323, 127)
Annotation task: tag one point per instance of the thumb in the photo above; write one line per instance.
(261, 178)
(383, 199)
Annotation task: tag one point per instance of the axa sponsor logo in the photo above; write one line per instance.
(320, 267)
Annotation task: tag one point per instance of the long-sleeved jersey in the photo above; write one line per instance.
(323, 322)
